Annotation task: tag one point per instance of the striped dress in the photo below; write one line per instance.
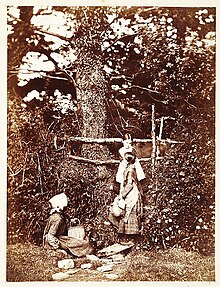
(129, 222)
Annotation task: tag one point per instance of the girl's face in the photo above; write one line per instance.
(127, 143)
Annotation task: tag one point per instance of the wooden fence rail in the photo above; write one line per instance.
(116, 140)
(104, 162)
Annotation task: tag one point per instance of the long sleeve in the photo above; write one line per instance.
(52, 241)
(128, 181)
(54, 226)
(126, 189)
(52, 230)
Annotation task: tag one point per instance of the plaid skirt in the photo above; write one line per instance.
(133, 225)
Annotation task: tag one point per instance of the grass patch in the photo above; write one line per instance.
(28, 262)
(170, 265)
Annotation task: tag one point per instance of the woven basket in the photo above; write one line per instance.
(76, 231)
(118, 206)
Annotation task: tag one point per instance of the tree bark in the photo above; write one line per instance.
(91, 93)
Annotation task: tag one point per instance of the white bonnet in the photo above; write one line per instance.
(124, 150)
(58, 202)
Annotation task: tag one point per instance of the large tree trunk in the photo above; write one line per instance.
(91, 93)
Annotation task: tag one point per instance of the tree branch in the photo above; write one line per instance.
(120, 39)
(69, 77)
(14, 173)
(97, 162)
(41, 31)
(45, 73)
(143, 88)
(15, 18)
(122, 106)
(135, 34)
(165, 102)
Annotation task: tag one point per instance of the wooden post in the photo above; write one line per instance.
(160, 136)
(161, 128)
(154, 152)
(153, 135)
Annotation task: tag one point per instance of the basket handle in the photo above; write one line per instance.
(74, 221)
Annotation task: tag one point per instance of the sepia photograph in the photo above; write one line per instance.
(111, 143)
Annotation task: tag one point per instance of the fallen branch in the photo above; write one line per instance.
(55, 142)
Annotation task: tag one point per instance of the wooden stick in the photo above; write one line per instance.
(39, 174)
(161, 128)
(153, 154)
(24, 169)
(141, 140)
(97, 162)
(95, 140)
(14, 173)
(169, 141)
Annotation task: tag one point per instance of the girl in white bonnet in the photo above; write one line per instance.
(129, 221)
(55, 232)
(127, 148)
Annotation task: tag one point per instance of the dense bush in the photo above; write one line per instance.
(184, 210)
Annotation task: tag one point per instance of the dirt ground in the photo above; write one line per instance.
(28, 262)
